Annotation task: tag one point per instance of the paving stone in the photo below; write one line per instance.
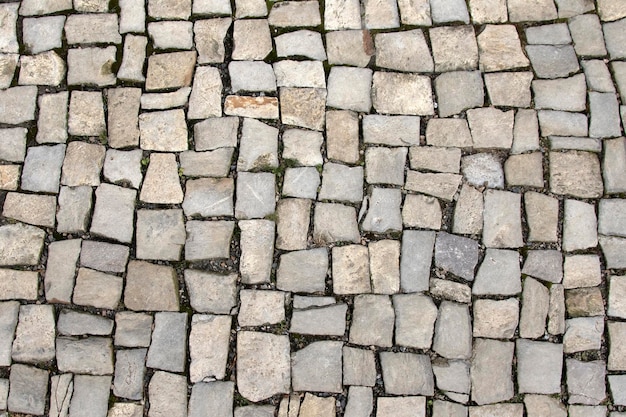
(164, 101)
(359, 367)
(372, 322)
(29, 386)
(34, 335)
(34, 209)
(581, 271)
(562, 123)
(301, 182)
(444, 408)
(61, 269)
(502, 220)
(255, 411)
(206, 164)
(550, 34)
(612, 164)
(92, 66)
(303, 107)
(450, 290)
(208, 239)
(170, 70)
(334, 222)
(168, 395)
(309, 374)
(97, 289)
(539, 10)
(164, 9)
(491, 128)
(496, 319)
(583, 333)
(46, 68)
(134, 55)
(509, 89)
(74, 209)
(619, 72)
(585, 182)
(444, 12)
(316, 406)
(542, 214)
(383, 214)
(256, 195)
(398, 93)
(556, 311)
(401, 406)
(605, 119)
(360, 402)
(257, 248)
(171, 34)
(546, 265)
(300, 43)
(340, 15)
(381, 15)
(252, 107)
(579, 225)
(259, 146)
(252, 39)
(295, 14)
(617, 287)
(552, 61)
(91, 355)
(20, 244)
(488, 11)
(491, 371)
(303, 271)
(587, 35)
(421, 212)
(263, 365)
(86, 116)
(9, 177)
(483, 169)
(13, 145)
(9, 311)
(215, 397)
(290, 73)
(169, 339)
(443, 186)
(31, 7)
(132, 329)
(293, 223)
(617, 353)
(454, 48)
(357, 96)
(415, 12)
(448, 132)
(525, 170)
(18, 284)
(325, 320)
(416, 259)
(583, 410)
(342, 136)
(161, 278)
(209, 197)
(25, 97)
(468, 211)
(539, 366)
(132, 16)
(584, 302)
(261, 307)
(573, 8)
(614, 38)
(384, 259)
(211, 7)
(205, 99)
(498, 274)
(415, 320)
(123, 112)
(73, 323)
(210, 292)
(104, 256)
(435, 159)
(585, 382)
(129, 373)
(92, 28)
(163, 226)
(535, 305)
(457, 255)
(499, 49)
(349, 47)
(504, 410)
(88, 6)
(163, 131)
(453, 331)
(52, 120)
(403, 51)
(574, 143)
(61, 390)
(251, 76)
(616, 383)
(208, 347)
(458, 91)
(8, 35)
(8, 63)
(612, 247)
(407, 373)
(350, 270)
(391, 130)
(123, 167)
(537, 405)
(82, 164)
(215, 133)
(209, 38)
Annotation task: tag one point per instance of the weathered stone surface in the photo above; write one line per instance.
(171, 35)
(416, 259)
(210, 292)
(61, 269)
(42, 168)
(458, 91)
(581, 271)
(579, 225)
(443, 185)
(350, 269)
(421, 211)
(162, 280)
(163, 131)
(583, 333)
(556, 311)
(46, 68)
(208, 347)
(34, 209)
(61, 390)
(415, 320)
(259, 146)
(206, 164)
(91, 355)
(384, 265)
(256, 195)
(450, 290)
(349, 47)
(542, 213)
(97, 289)
(300, 43)
(211, 397)
(208, 239)
(252, 39)
(257, 248)
(584, 302)
(310, 374)
(539, 366)
(34, 335)
(575, 173)
(372, 322)
(403, 51)
(398, 93)
(134, 55)
(170, 70)
(383, 213)
(123, 112)
(73, 323)
(491, 371)
(499, 273)
(304, 107)
(91, 66)
(499, 48)
(535, 305)
(491, 128)
(262, 307)
(8, 321)
(502, 220)
(407, 374)
(29, 386)
(585, 382)
(325, 320)
(160, 234)
(303, 271)
(452, 376)
(391, 130)
(169, 339)
(132, 329)
(541, 404)
(301, 182)
(401, 406)
(349, 89)
(453, 331)
(552, 61)
(496, 319)
(334, 222)
(483, 170)
(546, 265)
(208, 197)
(20, 244)
(455, 254)
(613, 163)
(263, 365)
(206, 94)
(300, 73)
(13, 145)
(123, 167)
(568, 94)
(130, 370)
(132, 16)
(168, 394)
(359, 367)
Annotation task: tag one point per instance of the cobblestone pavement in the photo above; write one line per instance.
(394, 208)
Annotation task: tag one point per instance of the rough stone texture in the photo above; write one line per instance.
(372, 321)
(458, 91)
(496, 319)
(262, 307)
(502, 220)
(483, 170)
(403, 51)
(208, 197)
(586, 382)
(349, 88)
(308, 373)
(29, 387)
(398, 93)
(168, 394)
(162, 280)
(169, 339)
(350, 269)
(34, 335)
(491, 278)
(415, 320)
(575, 173)
(407, 374)
(539, 366)
(210, 292)
(499, 49)
(491, 371)
(335, 223)
(303, 271)
(455, 254)
(401, 406)
(91, 355)
(163, 226)
(114, 212)
(257, 247)
(20, 244)
(208, 347)
(359, 367)
(453, 331)
(535, 305)
(383, 214)
(542, 215)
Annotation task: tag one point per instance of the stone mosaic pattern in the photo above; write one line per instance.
(382, 208)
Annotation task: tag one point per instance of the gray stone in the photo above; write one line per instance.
(614, 38)
(617, 383)
(61, 269)
(584, 302)
(300, 43)
(211, 397)
(454, 48)
(9, 177)
(580, 144)
(46, 68)
(20, 244)
(491, 128)
(372, 321)
(170, 70)
(91, 6)
(302, 146)
(160, 234)
(251, 76)
(605, 118)
(316, 406)
(349, 47)
(581, 271)
(303, 271)
(583, 333)
(91, 66)
(525, 131)
(208, 347)
(524, 170)
(295, 14)
(130, 371)
(263, 365)
(349, 88)
(585, 382)
(496, 319)
(455, 254)
(503, 410)
(168, 395)
(579, 226)
(310, 374)
(290, 73)
(34, 335)
(614, 162)
(218, 7)
(450, 290)
(13, 145)
(8, 64)
(569, 8)
(421, 211)
(8, 13)
(575, 173)
(415, 320)
(208, 239)
(383, 214)
(483, 169)
(163, 101)
(499, 274)
(562, 123)
(491, 371)
(613, 249)
(205, 99)
(18, 284)
(325, 320)
(550, 34)
(499, 49)
(391, 130)
(415, 12)
(258, 147)
(360, 402)
(74, 323)
(556, 311)
(399, 93)
(132, 329)
(8, 321)
(209, 36)
(114, 213)
(215, 133)
(97, 289)
(619, 72)
(123, 167)
(342, 136)
(34, 209)
(255, 411)
(134, 55)
(617, 352)
(502, 220)
(458, 91)
(29, 387)
(18, 104)
(416, 259)
(535, 306)
(539, 367)
(82, 164)
(350, 270)
(359, 367)
(257, 249)
(209, 197)
(206, 164)
(169, 340)
(617, 289)
(468, 211)
(210, 292)
(306, 301)
(262, 307)
(403, 51)
(384, 259)
(164, 131)
(591, 411)
(92, 28)
(546, 265)
(537, 405)
(407, 374)
(453, 331)
(123, 113)
(587, 35)
(542, 214)
(91, 355)
(256, 195)
(509, 89)
(86, 114)
(342, 15)
(445, 12)
(335, 223)
(401, 406)
(42, 168)
(252, 39)
(437, 159)
(552, 61)
(449, 409)
(381, 15)
(540, 10)
(452, 376)
(171, 34)
(162, 280)
(132, 16)
(301, 182)
(61, 390)
(74, 209)
(443, 186)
